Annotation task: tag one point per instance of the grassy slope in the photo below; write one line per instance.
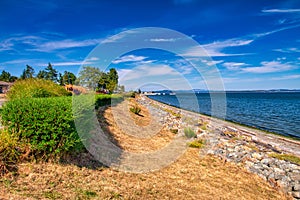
(190, 177)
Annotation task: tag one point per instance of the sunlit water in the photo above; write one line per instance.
(275, 112)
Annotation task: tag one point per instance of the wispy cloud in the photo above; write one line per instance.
(118, 37)
(269, 67)
(129, 58)
(64, 44)
(216, 49)
(161, 75)
(163, 39)
(281, 11)
(234, 65)
(40, 44)
(147, 71)
(288, 50)
(71, 63)
(296, 76)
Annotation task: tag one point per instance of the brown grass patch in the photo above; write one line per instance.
(188, 178)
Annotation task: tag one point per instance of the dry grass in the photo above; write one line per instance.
(190, 177)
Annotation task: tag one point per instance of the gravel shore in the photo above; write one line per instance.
(244, 146)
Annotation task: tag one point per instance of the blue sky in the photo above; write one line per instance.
(253, 44)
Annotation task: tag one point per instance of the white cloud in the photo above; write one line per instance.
(280, 10)
(212, 62)
(64, 44)
(216, 48)
(71, 63)
(160, 75)
(296, 76)
(92, 59)
(288, 50)
(118, 37)
(129, 58)
(269, 67)
(234, 65)
(163, 39)
(147, 71)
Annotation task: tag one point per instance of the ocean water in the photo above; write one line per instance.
(277, 112)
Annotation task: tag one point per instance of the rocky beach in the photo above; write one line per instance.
(251, 148)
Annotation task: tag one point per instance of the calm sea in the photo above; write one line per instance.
(277, 112)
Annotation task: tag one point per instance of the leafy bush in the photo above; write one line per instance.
(107, 99)
(136, 110)
(47, 124)
(36, 88)
(197, 143)
(11, 150)
(189, 133)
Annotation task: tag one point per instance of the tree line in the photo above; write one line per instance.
(89, 77)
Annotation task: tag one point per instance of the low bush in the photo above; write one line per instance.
(197, 143)
(135, 109)
(47, 124)
(286, 157)
(189, 133)
(35, 88)
(11, 151)
(107, 99)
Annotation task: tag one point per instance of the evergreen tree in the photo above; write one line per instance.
(67, 78)
(51, 73)
(27, 73)
(42, 74)
(5, 76)
(13, 79)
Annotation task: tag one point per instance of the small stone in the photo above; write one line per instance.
(296, 187)
(257, 156)
(296, 195)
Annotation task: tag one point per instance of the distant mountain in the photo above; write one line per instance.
(228, 91)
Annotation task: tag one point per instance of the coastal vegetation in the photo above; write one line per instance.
(286, 157)
(197, 143)
(189, 132)
(135, 109)
(36, 88)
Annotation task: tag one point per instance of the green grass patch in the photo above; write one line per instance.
(175, 114)
(189, 133)
(197, 143)
(286, 157)
(135, 109)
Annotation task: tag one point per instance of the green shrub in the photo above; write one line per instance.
(135, 109)
(107, 99)
(197, 143)
(189, 133)
(47, 124)
(11, 150)
(36, 88)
